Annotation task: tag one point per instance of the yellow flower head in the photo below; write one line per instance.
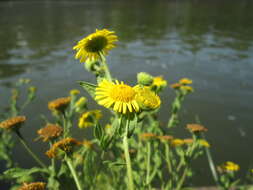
(177, 142)
(159, 82)
(33, 186)
(66, 145)
(176, 86)
(204, 143)
(118, 96)
(195, 128)
(147, 136)
(102, 41)
(80, 105)
(13, 123)
(87, 144)
(229, 167)
(188, 141)
(50, 131)
(59, 104)
(187, 89)
(185, 81)
(147, 99)
(165, 138)
(89, 118)
(74, 92)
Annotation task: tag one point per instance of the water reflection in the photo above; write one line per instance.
(208, 41)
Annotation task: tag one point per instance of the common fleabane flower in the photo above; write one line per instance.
(89, 48)
(117, 96)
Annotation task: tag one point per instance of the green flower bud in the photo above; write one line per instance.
(144, 79)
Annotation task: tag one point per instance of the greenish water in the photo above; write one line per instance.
(210, 42)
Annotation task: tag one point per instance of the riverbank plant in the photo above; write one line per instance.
(128, 148)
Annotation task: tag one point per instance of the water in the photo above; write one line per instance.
(210, 42)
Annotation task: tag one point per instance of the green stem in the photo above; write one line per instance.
(128, 161)
(167, 155)
(211, 164)
(107, 71)
(52, 162)
(181, 181)
(73, 172)
(148, 164)
(21, 139)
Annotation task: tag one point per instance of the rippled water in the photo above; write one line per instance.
(210, 42)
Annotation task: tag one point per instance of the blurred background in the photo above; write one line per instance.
(209, 41)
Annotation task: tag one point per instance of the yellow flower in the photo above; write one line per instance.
(185, 81)
(66, 145)
(59, 104)
(147, 136)
(33, 186)
(195, 128)
(13, 123)
(204, 143)
(175, 86)
(165, 138)
(74, 92)
(102, 41)
(187, 88)
(118, 96)
(50, 131)
(188, 141)
(159, 82)
(146, 98)
(230, 167)
(177, 142)
(89, 118)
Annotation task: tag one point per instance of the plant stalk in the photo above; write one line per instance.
(73, 172)
(128, 161)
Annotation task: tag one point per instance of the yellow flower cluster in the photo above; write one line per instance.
(59, 104)
(183, 85)
(66, 145)
(33, 186)
(230, 167)
(13, 123)
(50, 131)
(89, 118)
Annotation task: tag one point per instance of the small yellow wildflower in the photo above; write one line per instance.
(74, 92)
(59, 104)
(187, 89)
(176, 86)
(185, 81)
(146, 99)
(159, 82)
(188, 141)
(102, 41)
(87, 144)
(229, 167)
(82, 101)
(204, 143)
(147, 136)
(50, 131)
(33, 186)
(89, 118)
(177, 142)
(118, 96)
(165, 137)
(66, 145)
(196, 128)
(13, 123)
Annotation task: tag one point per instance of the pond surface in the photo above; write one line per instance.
(210, 42)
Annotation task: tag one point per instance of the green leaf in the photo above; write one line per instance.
(89, 87)
(20, 172)
(98, 131)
